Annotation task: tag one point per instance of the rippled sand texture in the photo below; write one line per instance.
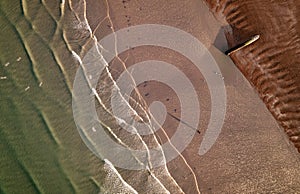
(41, 150)
(272, 64)
(41, 47)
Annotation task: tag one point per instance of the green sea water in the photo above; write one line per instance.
(41, 150)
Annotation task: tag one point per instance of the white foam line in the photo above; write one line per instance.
(78, 58)
(160, 147)
(149, 159)
(62, 8)
(85, 18)
(159, 182)
(110, 130)
(103, 105)
(135, 130)
(127, 103)
(120, 177)
(106, 64)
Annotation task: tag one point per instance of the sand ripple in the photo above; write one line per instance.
(271, 64)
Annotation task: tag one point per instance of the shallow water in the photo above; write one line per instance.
(40, 149)
(42, 44)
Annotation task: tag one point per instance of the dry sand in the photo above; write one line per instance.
(271, 64)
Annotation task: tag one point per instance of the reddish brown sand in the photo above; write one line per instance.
(271, 64)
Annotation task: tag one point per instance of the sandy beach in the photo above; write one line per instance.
(271, 64)
(43, 45)
(251, 142)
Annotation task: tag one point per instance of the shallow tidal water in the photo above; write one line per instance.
(41, 151)
(41, 45)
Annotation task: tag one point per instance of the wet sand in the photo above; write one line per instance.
(251, 154)
(43, 151)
